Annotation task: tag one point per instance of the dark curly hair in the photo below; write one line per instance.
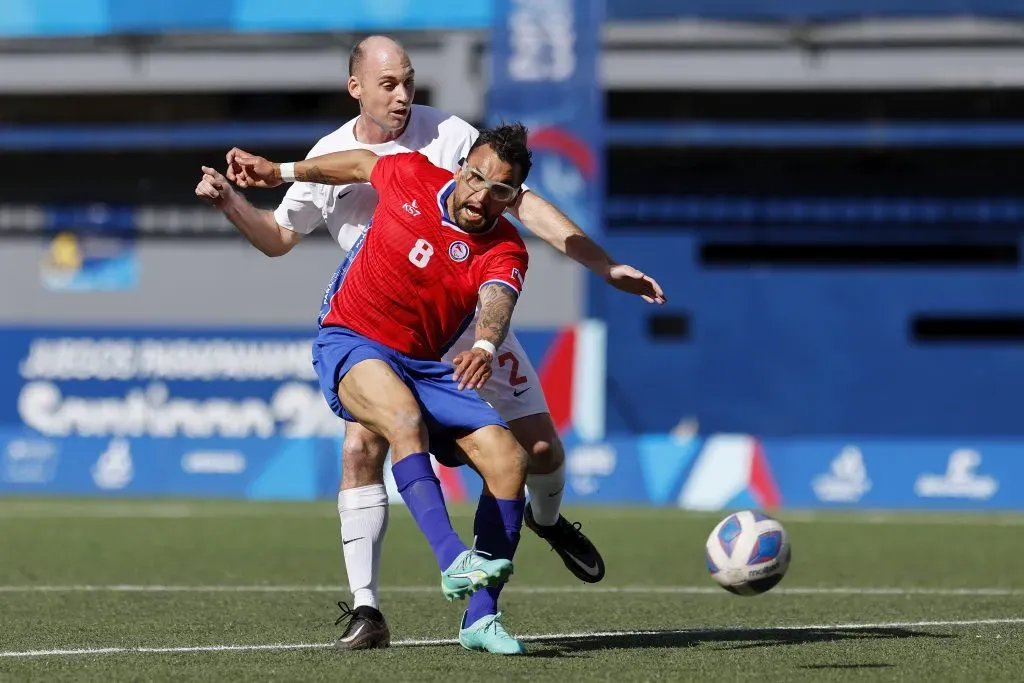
(508, 140)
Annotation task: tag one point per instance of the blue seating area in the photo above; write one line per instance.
(814, 210)
(655, 133)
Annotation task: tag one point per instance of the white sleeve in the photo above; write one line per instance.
(463, 149)
(301, 210)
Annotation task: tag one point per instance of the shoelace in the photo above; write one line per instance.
(346, 613)
(473, 551)
(577, 530)
(572, 529)
(495, 625)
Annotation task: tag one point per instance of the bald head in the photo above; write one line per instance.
(374, 53)
(381, 77)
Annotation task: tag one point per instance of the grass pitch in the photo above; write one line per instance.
(224, 591)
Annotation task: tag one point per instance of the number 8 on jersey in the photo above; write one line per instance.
(421, 253)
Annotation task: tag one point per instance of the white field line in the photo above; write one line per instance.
(102, 509)
(522, 590)
(752, 633)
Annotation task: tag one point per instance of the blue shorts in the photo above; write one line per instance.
(448, 412)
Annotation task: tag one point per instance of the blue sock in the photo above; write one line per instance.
(421, 492)
(497, 526)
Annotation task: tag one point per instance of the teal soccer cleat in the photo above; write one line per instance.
(488, 634)
(470, 572)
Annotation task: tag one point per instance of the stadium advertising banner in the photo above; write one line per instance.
(924, 473)
(239, 413)
(544, 72)
(88, 260)
(724, 471)
(148, 412)
(736, 471)
(210, 412)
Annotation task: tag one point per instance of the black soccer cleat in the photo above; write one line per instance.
(366, 629)
(577, 552)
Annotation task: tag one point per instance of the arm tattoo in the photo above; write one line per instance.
(314, 175)
(496, 305)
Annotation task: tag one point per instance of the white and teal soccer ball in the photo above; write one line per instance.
(748, 553)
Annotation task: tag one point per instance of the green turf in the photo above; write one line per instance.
(656, 555)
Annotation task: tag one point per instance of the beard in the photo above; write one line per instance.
(469, 221)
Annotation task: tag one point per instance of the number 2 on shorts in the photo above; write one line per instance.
(514, 378)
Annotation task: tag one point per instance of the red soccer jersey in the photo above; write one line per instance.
(411, 281)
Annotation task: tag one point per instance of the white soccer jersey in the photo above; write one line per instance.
(346, 209)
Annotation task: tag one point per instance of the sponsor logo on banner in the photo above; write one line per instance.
(545, 56)
(149, 388)
(29, 461)
(587, 465)
(213, 462)
(847, 480)
(192, 412)
(89, 263)
(114, 470)
(542, 40)
(960, 479)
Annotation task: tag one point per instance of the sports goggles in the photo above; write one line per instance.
(478, 181)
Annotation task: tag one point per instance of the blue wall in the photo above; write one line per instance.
(788, 352)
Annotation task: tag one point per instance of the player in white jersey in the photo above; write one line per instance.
(381, 77)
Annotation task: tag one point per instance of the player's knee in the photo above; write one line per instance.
(546, 455)
(538, 435)
(408, 428)
(362, 460)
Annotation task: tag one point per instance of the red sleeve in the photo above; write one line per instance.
(385, 172)
(392, 169)
(507, 267)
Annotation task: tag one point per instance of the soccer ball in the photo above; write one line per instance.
(748, 553)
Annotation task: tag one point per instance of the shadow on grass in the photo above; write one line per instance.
(727, 638)
(846, 666)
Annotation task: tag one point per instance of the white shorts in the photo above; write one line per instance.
(514, 389)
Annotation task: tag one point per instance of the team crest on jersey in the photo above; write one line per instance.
(459, 251)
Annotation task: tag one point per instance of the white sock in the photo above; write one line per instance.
(364, 519)
(546, 495)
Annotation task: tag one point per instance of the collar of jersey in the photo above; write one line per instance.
(442, 204)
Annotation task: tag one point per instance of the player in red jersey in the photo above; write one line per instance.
(436, 247)
(414, 286)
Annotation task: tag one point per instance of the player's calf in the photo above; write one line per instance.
(362, 457)
(546, 484)
(363, 515)
(499, 515)
(373, 395)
